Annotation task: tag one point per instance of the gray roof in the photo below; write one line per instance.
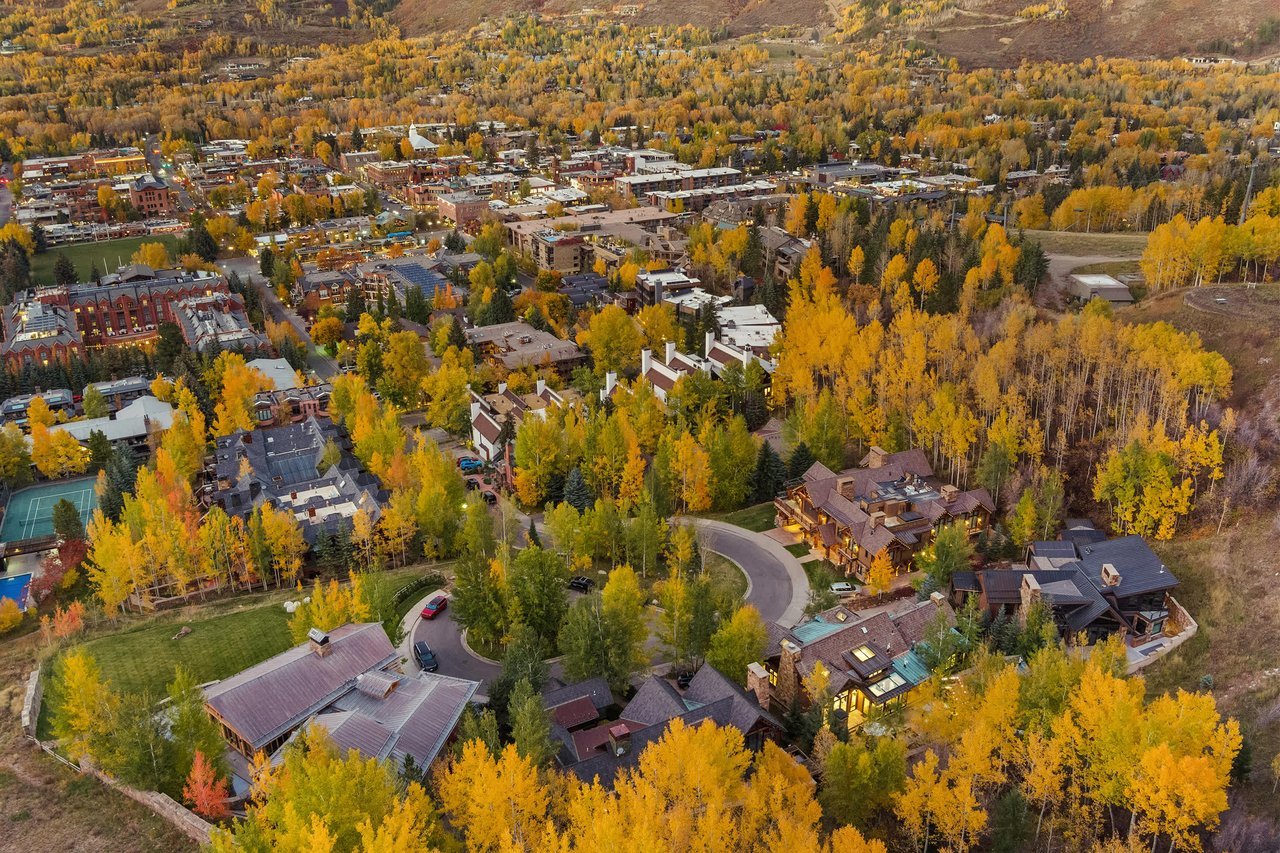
(269, 699)
(414, 718)
(141, 417)
(1141, 571)
(595, 689)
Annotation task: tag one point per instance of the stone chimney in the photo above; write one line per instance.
(877, 519)
(319, 642)
(788, 690)
(1110, 575)
(949, 493)
(1030, 593)
(877, 457)
(646, 359)
(671, 352)
(758, 683)
(938, 599)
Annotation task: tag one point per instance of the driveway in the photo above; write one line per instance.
(444, 636)
(779, 588)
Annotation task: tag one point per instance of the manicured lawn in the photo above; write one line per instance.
(823, 574)
(111, 252)
(758, 518)
(799, 549)
(218, 646)
(726, 576)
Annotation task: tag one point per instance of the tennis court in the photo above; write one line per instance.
(30, 511)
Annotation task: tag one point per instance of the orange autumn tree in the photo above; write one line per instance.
(206, 793)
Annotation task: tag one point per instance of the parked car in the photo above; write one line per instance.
(842, 588)
(683, 679)
(437, 604)
(489, 497)
(581, 584)
(467, 464)
(472, 485)
(425, 657)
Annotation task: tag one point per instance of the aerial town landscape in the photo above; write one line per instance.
(532, 426)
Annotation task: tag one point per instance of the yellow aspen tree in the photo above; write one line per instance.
(880, 575)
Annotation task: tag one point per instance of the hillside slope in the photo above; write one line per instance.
(989, 32)
(415, 17)
(977, 32)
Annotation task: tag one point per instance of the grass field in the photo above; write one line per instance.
(1073, 243)
(800, 549)
(145, 658)
(823, 574)
(1242, 329)
(758, 518)
(83, 255)
(1227, 582)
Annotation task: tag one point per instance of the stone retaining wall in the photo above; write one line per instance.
(31, 704)
(188, 822)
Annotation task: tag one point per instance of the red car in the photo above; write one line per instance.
(434, 607)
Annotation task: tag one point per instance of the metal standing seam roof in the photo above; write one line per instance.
(265, 701)
(417, 716)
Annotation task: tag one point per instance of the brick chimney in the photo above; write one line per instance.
(1030, 592)
(619, 739)
(319, 642)
(1110, 575)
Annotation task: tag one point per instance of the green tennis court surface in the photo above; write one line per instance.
(29, 514)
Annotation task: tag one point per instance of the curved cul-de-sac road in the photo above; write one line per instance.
(777, 587)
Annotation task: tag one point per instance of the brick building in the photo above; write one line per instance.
(151, 196)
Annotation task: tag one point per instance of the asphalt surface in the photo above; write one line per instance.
(772, 572)
(778, 589)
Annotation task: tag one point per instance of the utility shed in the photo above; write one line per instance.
(1084, 287)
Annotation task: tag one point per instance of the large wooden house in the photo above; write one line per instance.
(891, 502)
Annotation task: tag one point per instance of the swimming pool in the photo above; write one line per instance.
(16, 587)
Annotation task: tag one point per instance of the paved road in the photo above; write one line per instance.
(248, 270)
(6, 205)
(779, 588)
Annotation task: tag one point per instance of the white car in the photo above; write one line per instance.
(842, 588)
